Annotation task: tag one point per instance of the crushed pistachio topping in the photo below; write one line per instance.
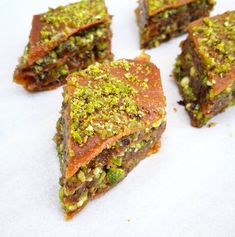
(58, 21)
(154, 5)
(124, 64)
(216, 39)
(133, 78)
(104, 106)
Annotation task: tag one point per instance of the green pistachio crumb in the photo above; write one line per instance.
(123, 63)
(184, 83)
(71, 153)
(97, 171)
(81, 176)
(133, 78)
(115, 175)
(102, 177)
(116, 160)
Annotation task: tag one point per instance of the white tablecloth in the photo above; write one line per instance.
(187, 189)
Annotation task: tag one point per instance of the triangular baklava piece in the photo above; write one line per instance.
(205, 70)
(63, 40)
(112, 117)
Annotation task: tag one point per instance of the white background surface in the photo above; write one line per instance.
(187, 189)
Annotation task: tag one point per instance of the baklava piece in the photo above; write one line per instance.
(64, 40)
(161, 20)
(112, 117)
(205, 70)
